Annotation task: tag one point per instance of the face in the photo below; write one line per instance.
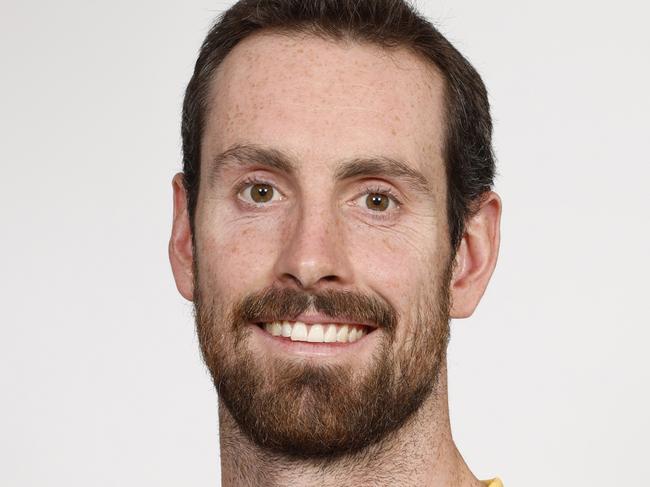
(321, 262)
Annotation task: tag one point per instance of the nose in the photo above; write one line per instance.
(315, 254)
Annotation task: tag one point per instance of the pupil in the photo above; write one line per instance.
(261, 193)
(377, 202)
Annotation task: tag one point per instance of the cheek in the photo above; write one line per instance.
(396, 260)
(236, 256)
(403, 266)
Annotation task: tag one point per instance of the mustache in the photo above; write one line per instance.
(276, 304)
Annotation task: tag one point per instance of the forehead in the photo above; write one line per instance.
(324, 100)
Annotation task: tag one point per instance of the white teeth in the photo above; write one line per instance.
(352, 335)
(286, 329)
(276, 329)
(330, 334)
(355, 334)
(342, 334)
(315, 333)
(299, 332)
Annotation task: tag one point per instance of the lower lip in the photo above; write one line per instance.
(313, 349)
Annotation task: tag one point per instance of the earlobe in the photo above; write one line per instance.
(180, 243)
(476, 256)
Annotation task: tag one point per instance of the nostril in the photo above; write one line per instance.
(307, 283)
(294, 279)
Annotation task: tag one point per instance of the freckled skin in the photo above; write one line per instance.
(374, 103)
(322, 102)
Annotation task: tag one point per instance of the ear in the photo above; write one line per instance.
(476, 256)
(180, 243)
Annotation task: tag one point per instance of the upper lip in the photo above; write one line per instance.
(313, 318)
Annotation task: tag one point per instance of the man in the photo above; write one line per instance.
(334, 212)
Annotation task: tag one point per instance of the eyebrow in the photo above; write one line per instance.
(382, 166)
(375, 166)
(247, 154)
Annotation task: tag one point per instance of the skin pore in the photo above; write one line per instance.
(322, 172)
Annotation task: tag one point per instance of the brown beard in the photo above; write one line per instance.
(312, 410)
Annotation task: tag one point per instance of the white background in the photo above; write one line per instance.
(100, 374)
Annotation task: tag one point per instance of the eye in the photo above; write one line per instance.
(378, 201)
(259, 193)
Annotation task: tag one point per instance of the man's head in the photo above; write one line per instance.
(337, 167)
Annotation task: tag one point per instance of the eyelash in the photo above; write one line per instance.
(252, 180)
(384, 191)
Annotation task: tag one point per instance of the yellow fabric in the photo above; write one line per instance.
(493, 483)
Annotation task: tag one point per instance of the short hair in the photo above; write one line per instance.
(467, 140)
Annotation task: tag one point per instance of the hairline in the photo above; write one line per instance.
(341, 37)
(310, 29)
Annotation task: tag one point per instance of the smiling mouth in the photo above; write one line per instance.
(299, 331)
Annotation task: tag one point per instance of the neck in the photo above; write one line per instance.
(422, 452)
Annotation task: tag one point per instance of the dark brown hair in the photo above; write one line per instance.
(468, 153)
